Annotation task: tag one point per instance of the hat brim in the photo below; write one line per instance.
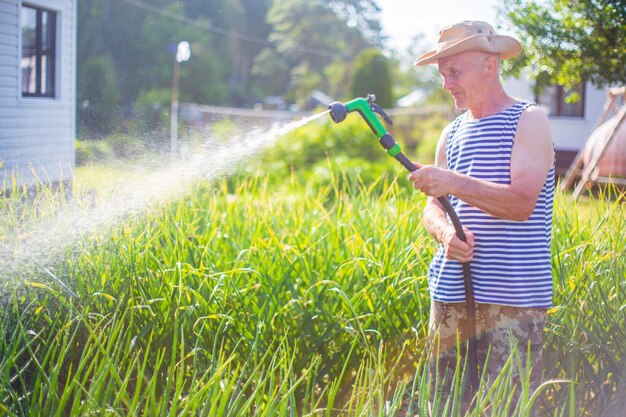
(507, 46)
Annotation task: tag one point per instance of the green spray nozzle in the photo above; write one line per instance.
(366, 108)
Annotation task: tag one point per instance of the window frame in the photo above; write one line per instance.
(558, 101)
(51, 54)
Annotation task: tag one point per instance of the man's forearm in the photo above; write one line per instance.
(506, 201)
(439, 227)
(435, 220)
(514, 201)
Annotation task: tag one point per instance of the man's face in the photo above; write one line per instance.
(463, 76)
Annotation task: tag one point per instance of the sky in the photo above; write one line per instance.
(403, 19)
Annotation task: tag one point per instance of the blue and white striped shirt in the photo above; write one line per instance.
(511, 264)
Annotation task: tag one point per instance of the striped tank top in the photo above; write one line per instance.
(511, 264)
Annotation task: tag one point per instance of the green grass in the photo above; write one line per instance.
(587, 331)
(296, 296)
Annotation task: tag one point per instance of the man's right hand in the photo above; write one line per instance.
(455, 248)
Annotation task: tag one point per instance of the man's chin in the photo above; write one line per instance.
(460, 105)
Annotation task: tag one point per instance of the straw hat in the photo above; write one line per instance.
(471, 36)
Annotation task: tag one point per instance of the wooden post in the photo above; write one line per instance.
(174, 111)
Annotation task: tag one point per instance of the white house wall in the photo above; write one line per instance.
(37, 133)
(570, 133)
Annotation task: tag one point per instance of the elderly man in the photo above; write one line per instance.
(496, 162)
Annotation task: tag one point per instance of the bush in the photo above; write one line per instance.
(313, 151)
(225, 130)
(309, 144)
(125, 146)
(371, 75)
(98, 95)
(90, 151)
(113, 147)
(151, 113)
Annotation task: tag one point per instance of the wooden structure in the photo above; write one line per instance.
(603, 158)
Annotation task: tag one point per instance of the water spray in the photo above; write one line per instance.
(39, 245)
(368, 110)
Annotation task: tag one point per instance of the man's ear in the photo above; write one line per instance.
(492, 64)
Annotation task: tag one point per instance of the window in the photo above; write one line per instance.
(555, 99)
(38, 51)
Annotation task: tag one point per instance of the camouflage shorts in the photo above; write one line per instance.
(499, 330)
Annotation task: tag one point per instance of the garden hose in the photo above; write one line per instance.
(367, 109)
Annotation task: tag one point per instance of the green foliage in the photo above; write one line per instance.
(372, 75)
(141, 42)
(280, 297)
(336, 79)
(241, 50)
(225, 129)
(567, 42)
(117, 146)
(349, 145)
(92, 151)
(269, 71)
(309, 46)
(227, 68)
(426, 133)
(202, 78)
(299, 286)
(167, 307)
(126, 146)
(151, 112)
(587, 327)
(98, 96)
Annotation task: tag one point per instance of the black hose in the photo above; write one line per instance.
(467, 280)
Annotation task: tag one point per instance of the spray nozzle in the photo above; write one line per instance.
(338, 111)
(366, 108)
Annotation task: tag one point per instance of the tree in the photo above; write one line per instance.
(245, 19)
(98, 111)
(566, 42)
(371, 75)
(240, 48)
(311, 35)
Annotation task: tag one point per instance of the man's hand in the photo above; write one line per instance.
(431, 180)
(455, 248)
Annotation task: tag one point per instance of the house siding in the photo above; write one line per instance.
(37, 134)
(569, 133)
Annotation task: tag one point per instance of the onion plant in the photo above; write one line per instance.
(295, 296)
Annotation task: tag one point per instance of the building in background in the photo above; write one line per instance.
(572, 123)
(37, 90)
